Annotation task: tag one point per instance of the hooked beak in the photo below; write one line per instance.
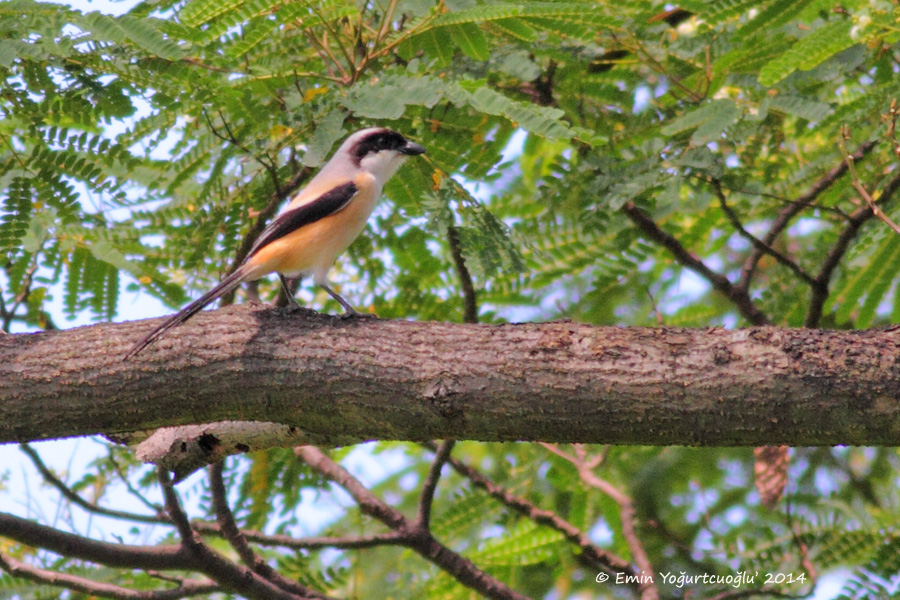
(412, 149)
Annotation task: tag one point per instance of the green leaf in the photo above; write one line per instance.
(801, 106)
(810, 51)
(470, 40)
(142, 32)
(882, 264)
(710, 120)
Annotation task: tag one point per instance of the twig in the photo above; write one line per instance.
(584, 465)
(737, 294)
(309, 543)
(231, 532)
(70, 495)
(220, 569)
(470, 300)
(755, 241)
(426, 498)
(185, 589)
(591, 554)
(859, 187)
(417, 538)
(789, 212)
(78, 547)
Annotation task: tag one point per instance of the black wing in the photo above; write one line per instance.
(292, 220)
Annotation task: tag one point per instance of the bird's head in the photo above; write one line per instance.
(379, 151)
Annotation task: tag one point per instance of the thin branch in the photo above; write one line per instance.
(386, 20)
(132, 490)
(229, 575)
(231, 532)
(309, 543)
(627, 514)
(803, 201)
(351, 65)
(755, 241)
(75, 546)
(416, 538)
(857, 184)
(324, 52)
(738, 295)
(470, 300)
(426, 498)
(187, 587)
(591, 554)
(856, 220)
(70, 495)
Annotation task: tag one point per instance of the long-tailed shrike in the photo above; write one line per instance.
(319, 223)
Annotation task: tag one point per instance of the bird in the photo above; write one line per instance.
(318, 224)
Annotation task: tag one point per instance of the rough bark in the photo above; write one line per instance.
(341, 381)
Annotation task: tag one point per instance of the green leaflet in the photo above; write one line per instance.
(527, 543)
(574, 12)
(815, 48)
(17, 206)
(198, 12)
(141, 32)
(801, 106)
(710, 120)
(388, 98)
(882, 265)
(470, 40)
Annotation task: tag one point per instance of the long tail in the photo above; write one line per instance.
(225, 286)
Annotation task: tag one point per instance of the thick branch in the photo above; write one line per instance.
(342, 381)
(235, 537)
(426, 498)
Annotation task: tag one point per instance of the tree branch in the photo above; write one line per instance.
(856, 220)
(593, 555)
(737, 294)
(417, 538)
(426, 497)
(104, 553)
(186, 589)
(342, 381)
(309, 543)
(755, 241)
(229, 575)
(627, 515)
(235, 537)
(789, 212)
(67, 493)
(470, 299)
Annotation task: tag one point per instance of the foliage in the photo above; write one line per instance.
(137, 152)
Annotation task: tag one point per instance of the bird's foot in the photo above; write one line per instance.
(352, 315)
